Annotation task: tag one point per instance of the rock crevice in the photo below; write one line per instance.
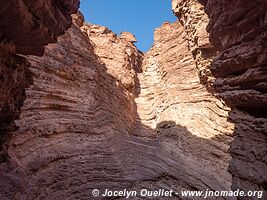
(98, 113)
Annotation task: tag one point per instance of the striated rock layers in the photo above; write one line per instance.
(119, 54)
(101, 114)
(31, 25)
(95, 118)
(25, 28)
(234, 35)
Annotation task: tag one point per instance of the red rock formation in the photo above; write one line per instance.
(171, 93)
(100, 114)
(238, 30)
(237, 61)
(31, 25)
(118, 53)
(80, 128)
(72, 123)
(14, 77)
(25, 28)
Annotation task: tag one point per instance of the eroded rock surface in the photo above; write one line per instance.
(25, 28)
(238, 29)
(31, 24)
(119, 54)
(194, 20)
(82, 128)
(100, 114)
(15, 76)
(171, 94)
(237, 32)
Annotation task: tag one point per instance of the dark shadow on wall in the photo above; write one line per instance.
(234, 68)
(15, 76)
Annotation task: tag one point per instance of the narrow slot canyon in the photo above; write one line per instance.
(82, 108)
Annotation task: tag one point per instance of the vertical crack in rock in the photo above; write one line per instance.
(101, 114)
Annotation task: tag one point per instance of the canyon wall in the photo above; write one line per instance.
(67, 129)
(30, 25)
(98, 113)
(25, 28)
(235, 34)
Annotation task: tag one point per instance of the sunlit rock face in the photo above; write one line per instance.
(171, 95)
(119, 54)
(194, 20)
(236, 34)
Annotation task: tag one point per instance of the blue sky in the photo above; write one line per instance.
(139, 17)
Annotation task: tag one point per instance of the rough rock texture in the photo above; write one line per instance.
(14, 77)
(194, 20)
(171, 95)
(237, 30)
(25, 28)
(118, 53)
(80, 127)
(32, 24)
(100, 114)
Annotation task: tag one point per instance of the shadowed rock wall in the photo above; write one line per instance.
(100, 114)
(235, 32)
(25, 28)
(32, 24)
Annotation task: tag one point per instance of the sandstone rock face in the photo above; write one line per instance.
(237, 30)
(171, 96)
(31, 25)
(128, 36)
(25, 28)
(118, 53)
(100, 114)
(15, 76)
(194, 20)
(82, 126)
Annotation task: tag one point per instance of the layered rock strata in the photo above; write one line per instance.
(67, 124)
(100, 114)
(81, 128)
(178, 109)
(30, 25)
(25, 28)
(194, 20)
(237, 30)
(119, 54)
(14, 77)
